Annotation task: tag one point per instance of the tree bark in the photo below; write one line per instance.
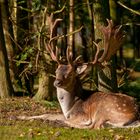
(6, 88)
(22, 33)
(93, 50)
(9, 37)
(115, 15)
(42, 92)
(71, 27)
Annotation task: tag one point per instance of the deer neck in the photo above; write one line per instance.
(67, 97)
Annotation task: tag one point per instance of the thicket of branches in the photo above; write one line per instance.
(25, 65)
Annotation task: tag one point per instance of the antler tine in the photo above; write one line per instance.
(69, 55)
(52, 54)
(106, 34)
(50, 45)
(77, 58)
(96, 54)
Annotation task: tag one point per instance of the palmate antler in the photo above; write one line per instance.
(113, 39)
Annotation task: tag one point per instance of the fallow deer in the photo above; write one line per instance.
(100, 108)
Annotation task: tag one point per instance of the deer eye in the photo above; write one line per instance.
(70, 74)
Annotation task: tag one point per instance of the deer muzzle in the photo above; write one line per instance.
(58, 83)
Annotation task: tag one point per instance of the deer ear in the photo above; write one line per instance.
(81, 69)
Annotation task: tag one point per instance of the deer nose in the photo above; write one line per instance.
(57, 83)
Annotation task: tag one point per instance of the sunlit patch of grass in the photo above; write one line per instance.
(13, 129)
(42, 131)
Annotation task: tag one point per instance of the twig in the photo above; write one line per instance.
(15, 42)
(61, 36)
(133, 11)
(61, 10)
(24, 71)
(20, 61)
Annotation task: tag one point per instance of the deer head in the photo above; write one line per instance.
(65, 73)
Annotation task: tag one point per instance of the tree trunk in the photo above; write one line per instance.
(42, 92)
(136, 41)
(43, 75)
(113, 10)
(9, 37)
(115, 15)
(107, 81)
(45, 87)
(64, 25)
(22, 41)
(6, 88)
(93, 50)
(71, 27)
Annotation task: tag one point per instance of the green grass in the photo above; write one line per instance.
(38, 130)
(13, 129)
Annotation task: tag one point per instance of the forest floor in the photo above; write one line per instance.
(12, 128)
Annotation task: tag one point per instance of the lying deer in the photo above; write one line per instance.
(100, 108)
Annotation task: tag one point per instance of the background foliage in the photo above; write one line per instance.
(26, 27)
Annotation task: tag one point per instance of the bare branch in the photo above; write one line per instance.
(61, 10)
(131, 10)
(62, 36)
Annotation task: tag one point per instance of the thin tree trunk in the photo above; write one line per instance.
(64, 24)
(82, 15)
(93, 50)
(71, 27)
(114, 16)
(137, 41)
